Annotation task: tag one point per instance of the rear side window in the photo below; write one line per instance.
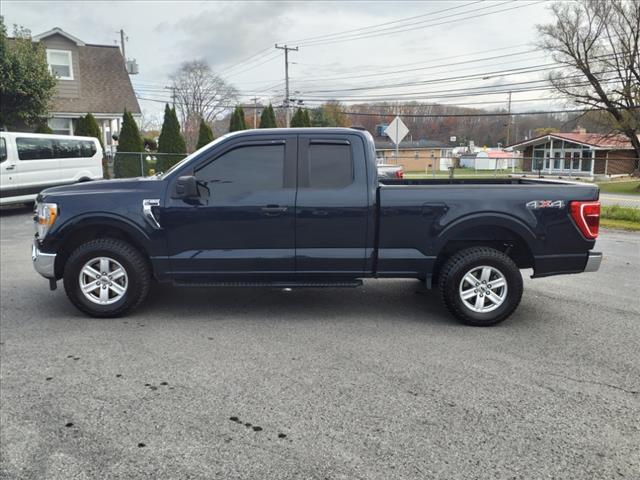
(74, 148)
(3, 150)
(330, 165)
(34, 148)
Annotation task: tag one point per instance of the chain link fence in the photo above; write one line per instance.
(142, 164)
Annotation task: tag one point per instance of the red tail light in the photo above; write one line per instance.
(399, 174)
(587, 217)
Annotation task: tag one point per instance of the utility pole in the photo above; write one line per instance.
(173, 95)
(255, 112)
(286, 80)
(509, 121)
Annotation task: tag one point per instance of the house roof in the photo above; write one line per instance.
(58, 31)
(595, 140)
(103, 81)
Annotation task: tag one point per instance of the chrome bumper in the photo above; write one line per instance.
(44, 263)
(593, 262)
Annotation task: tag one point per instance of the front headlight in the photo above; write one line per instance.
(46, 214)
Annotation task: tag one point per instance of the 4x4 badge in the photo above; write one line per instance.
(536, 204)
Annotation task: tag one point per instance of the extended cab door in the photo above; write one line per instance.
(332, 207)
(242, 225)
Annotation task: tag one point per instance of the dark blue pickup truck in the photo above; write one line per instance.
(305, 208)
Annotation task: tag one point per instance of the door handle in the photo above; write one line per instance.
(273, 210)
(9, 167)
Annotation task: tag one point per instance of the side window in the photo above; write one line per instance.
(242, 171)
(32, 148)
(330, 165)
(67, 148)
(88, 148)
(3, 150)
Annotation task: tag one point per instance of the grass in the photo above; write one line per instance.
(627, 187)
(615, 216)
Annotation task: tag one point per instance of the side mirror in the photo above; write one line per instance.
(186, 187)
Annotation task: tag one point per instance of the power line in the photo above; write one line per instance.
(484, 114)
(404, 30)
(336, 34)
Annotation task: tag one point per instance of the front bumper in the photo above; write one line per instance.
(44, 263)
(593, 262)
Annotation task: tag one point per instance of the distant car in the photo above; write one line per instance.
(31, 162)
(390, 171)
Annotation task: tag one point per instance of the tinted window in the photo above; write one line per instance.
(74, 148)
(34, 148)
(87, 148)
(330, 165)
(242, 171)
(3, 150)
(67, 148)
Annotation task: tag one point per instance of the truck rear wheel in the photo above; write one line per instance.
(480, 286)
(106, 278)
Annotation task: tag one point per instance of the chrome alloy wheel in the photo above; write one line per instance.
(103, 280)
(483, 289)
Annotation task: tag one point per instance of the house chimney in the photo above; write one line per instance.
(580, 129)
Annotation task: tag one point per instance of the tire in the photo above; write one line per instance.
(484, 303)
(132, 286)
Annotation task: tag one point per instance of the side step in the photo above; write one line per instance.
(324, 284)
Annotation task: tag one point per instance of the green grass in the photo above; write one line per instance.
(627, 187)
(616, 212)
(620, 224)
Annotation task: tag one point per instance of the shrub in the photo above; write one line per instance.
(170, 140)
(205, 135)
(127, 162)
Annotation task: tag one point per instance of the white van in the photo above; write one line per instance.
(31, 162)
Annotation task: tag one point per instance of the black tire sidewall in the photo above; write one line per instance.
(72, 285)
(514, 290)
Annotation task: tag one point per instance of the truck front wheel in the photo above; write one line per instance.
(480, 286)
(106, 277)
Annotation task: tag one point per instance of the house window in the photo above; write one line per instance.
(60, 64)
(61, 126)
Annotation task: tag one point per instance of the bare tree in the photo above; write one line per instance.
(596, 42)
(199, 94)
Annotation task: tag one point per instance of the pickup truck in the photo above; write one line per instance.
(305, 208)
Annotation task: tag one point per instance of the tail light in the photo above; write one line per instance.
(586, 215)
(399, 174)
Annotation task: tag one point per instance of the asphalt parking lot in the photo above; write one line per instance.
(371, 383)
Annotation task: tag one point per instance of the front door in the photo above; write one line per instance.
(242, 225)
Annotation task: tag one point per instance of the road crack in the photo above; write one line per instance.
(593, 382)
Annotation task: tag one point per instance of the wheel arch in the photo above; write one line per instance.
(92, 227)
(501, 232)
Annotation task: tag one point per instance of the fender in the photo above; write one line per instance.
(491, 219)
(62, 232)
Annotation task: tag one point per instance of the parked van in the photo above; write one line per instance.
(31, 162)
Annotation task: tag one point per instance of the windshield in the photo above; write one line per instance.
(194, 154)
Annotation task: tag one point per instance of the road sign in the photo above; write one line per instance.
(396, 130)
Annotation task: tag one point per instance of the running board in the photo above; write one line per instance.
(201, 283)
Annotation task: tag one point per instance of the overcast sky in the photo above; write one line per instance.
(164, 34)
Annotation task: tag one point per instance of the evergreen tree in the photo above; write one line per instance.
(237, 121)
(205, 135)
(127, 162)
(88, 127)
(268, 118)
(43, 128)
(307, 118)
(298, 119)
(170, 141)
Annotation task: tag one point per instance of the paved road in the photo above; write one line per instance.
(370, 383)
(632, 201)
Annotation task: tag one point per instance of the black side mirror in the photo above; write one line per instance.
(186, 187)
